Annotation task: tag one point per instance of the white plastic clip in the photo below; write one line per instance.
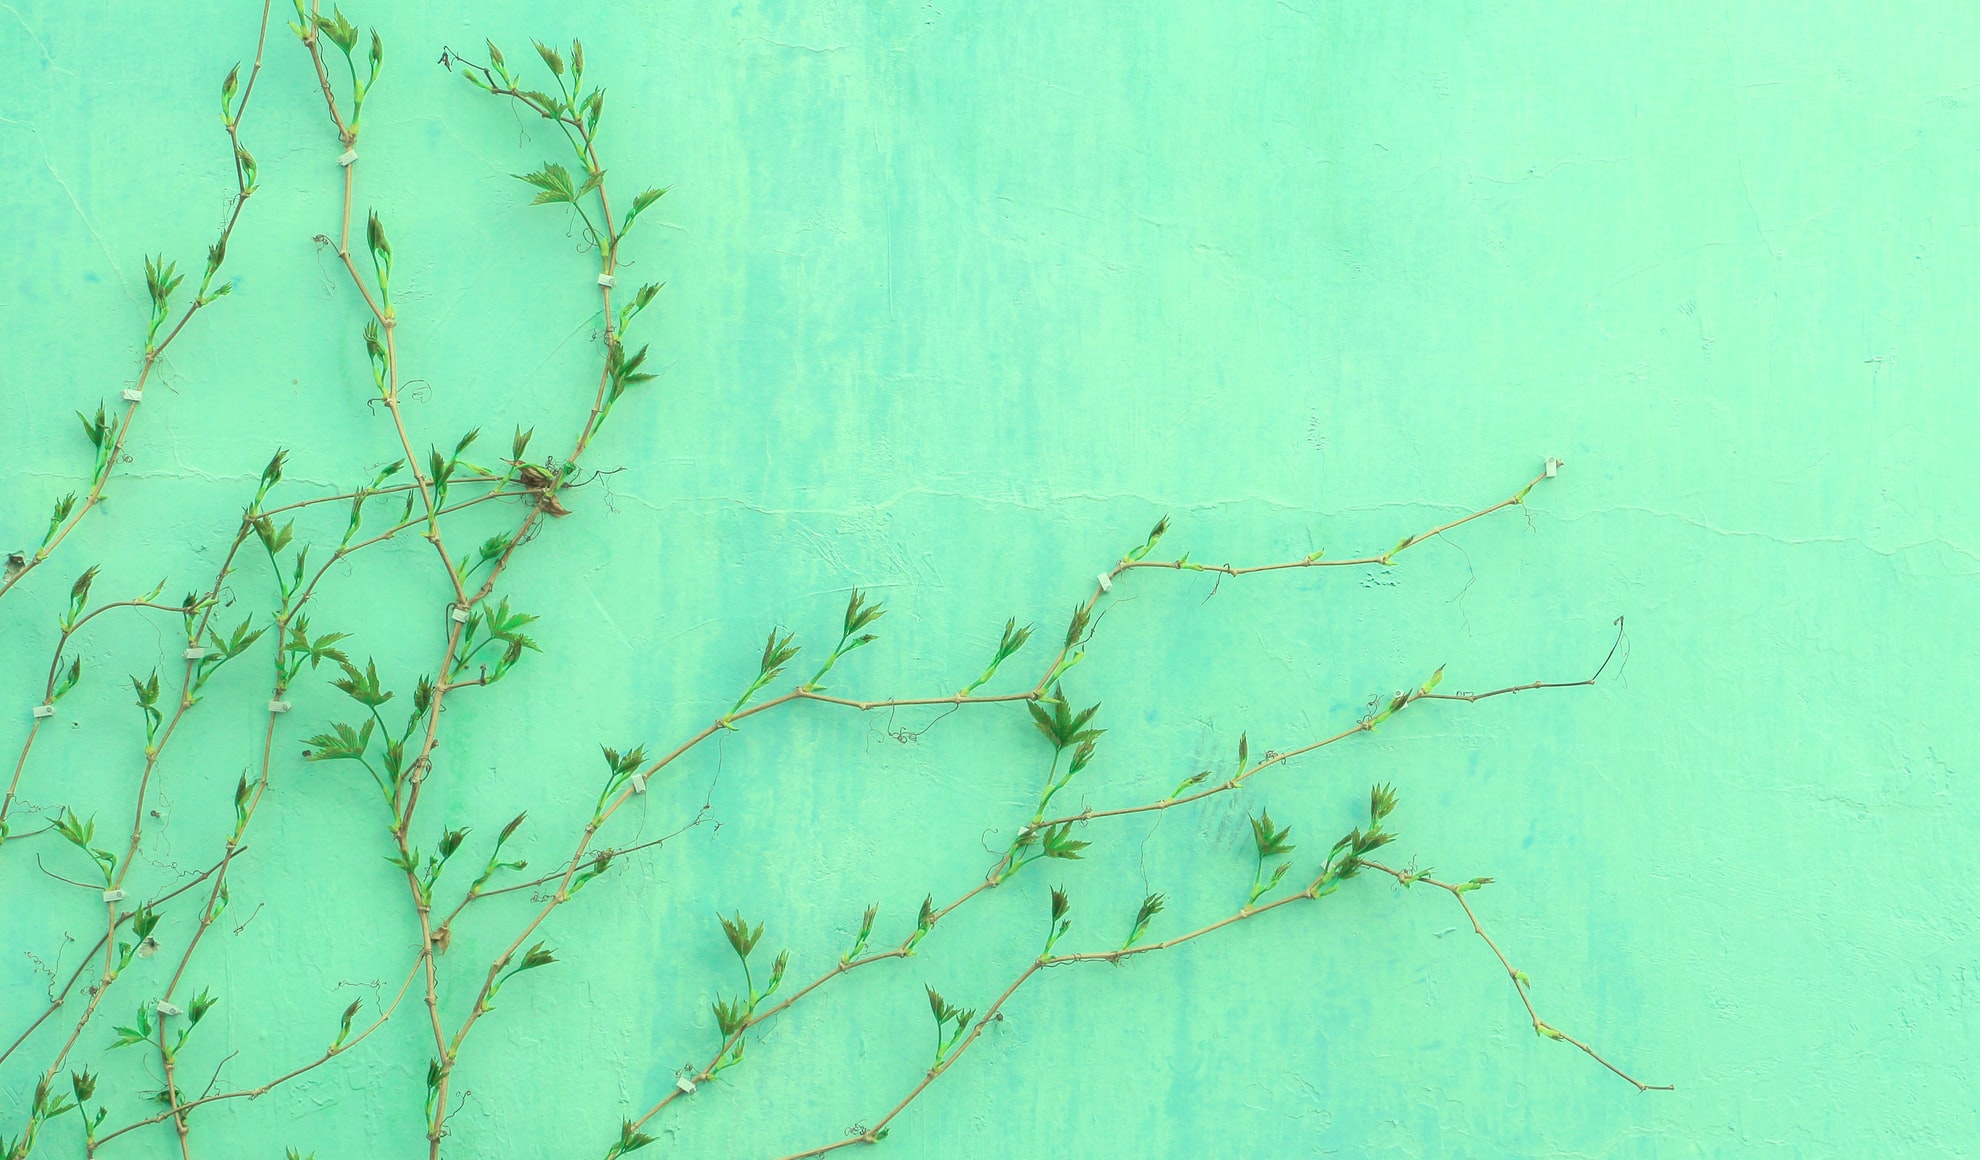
(195, 653)
(113, 895)
(607, 281)
(685, 1084)
(1106, 582)
(278, 706)
(169, 1009)
(639, 783)
(349, 156)
(457, 614)
(44, 710)
(133, 395)
(1553, 467)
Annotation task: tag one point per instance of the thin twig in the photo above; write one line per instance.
(1520, 983)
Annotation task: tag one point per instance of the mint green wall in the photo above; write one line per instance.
(960, 298)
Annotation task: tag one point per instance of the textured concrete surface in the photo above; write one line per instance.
(960, 298)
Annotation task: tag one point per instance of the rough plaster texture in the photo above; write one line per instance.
(959, 299)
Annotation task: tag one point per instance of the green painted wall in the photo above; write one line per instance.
(960, 298)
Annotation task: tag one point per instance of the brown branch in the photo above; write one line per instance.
(997, 869)
(1105, 583)
(62, 995)
(1520, 982)
(1365, 725)
(153, 353)
(48, 694)
(993, 1013)
(1384, 559)
(264, 1088)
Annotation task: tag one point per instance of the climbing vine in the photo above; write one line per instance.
(252, 632)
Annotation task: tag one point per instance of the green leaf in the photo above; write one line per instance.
(1193, 779)
(160, 281)
(362, 687)
(554, 182)
(630, 1140)
(272, 538)
(76, 831)
(1381, 803)
(238, 642)
(1154, 535)
(323, 648)
(642, 201)
(344, 1027)
(545, 104)
(776, 654)
(344, 743)
(1271, 841)
(341, 31)
(1150, 907)
(504, 624)
(730, 1015)
(741, 938)
(1059, 842)
(1077, 626)
(859, 614)
(137, 1032)
(68, 680)
(79, 591)
(97, 429)
(1061, 724)
(374, 237)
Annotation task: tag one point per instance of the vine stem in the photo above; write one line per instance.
(1519, 981)
(218, 872)
(20, 765)
(590, 832)
(995, 873)
(1319, 888)
(116, 917)
(993, 1013)
(844, 966)
(993, 876)
(421, 763)
(178, 1113)
(270, 1085)
(433, 939)
(60, 997)
(1103, 586)
(1366, 725)
(153, 353)
(48, 691)
(186, 701)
